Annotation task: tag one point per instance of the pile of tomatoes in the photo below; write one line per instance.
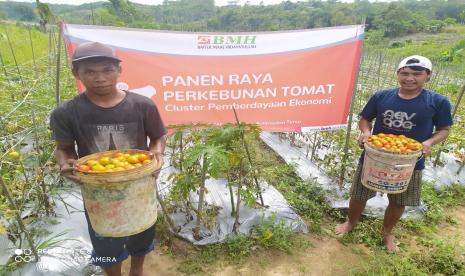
(115, 163)
(394, 143)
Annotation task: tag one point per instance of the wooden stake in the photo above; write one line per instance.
(349, 128)
(241, 179)
(259, 191)
(32, 51)
(4, 69)
(231, 197)
(14, 58)
(165, 213)
(57, 75)
(50, 53)
(201, 196)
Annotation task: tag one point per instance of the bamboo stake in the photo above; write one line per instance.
(39, 172)
(446, 73)
(49, 53)
(349, 128)
(238, 203)
(18, 218)
(65, 48)
(259, 191)
(437, 77)
(4, 69)
(454, 112)
(32, 51)
(165, 213)
(57, 76)
(314, 147)
(231, 196)
(54, 42)
(379, 67)
(181, 152)
(201, 195)
(14, 57)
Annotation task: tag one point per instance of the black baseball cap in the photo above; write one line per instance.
(89, 50)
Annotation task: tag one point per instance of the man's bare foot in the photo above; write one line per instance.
(344, 228)
(390, 242)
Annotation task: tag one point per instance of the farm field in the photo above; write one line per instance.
(32, 83)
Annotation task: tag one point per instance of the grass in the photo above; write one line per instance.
(21, 44)
(268, 236)
(423, 251)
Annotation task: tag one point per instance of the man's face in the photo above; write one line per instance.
(99, 76)
(411, 80)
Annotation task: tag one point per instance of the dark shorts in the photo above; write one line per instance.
(110, 251)
(411, 197)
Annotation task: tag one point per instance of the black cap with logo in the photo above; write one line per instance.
(89, 50)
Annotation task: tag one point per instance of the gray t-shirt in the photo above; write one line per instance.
(94, 129)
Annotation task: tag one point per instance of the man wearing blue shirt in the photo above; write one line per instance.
(414, 112)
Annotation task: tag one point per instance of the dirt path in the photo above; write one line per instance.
(455, 232)
(325, 256)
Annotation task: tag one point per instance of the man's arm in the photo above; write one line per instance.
(66, 157)
(365, 127)
(438, 136)
(157, 147)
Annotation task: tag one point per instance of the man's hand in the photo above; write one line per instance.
(427, 147)
(67, 171)
(363, 138)
(158, 156)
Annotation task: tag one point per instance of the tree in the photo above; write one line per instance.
(45, 15)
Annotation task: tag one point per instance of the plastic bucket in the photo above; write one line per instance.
(121, 203)
(388, 172)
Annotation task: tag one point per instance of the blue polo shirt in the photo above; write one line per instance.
(415, 118)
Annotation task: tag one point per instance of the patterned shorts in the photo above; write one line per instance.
(411, 197)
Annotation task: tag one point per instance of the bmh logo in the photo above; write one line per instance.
(24, 255)
(226, 41)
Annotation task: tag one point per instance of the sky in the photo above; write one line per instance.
(157, 2)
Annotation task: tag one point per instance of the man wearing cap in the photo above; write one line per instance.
(410, 110)
(105, 118)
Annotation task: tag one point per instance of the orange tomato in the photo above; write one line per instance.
(91, 163)
(394, 143)
(83, 168)
(142, 157)
(132, 159)
(120, 161)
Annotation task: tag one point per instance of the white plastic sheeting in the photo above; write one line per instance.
(448, 173)
(70, 256)
(218, 195)
(337, 198)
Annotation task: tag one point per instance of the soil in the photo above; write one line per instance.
(455, 231)
(326, 256)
